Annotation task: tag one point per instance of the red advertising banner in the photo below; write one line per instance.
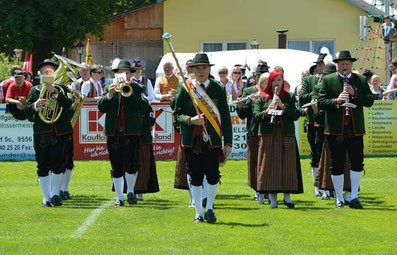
(90, 141)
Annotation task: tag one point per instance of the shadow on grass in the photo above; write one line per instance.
(375, 203)
(246, 225)
(233, 196)
(84, 202)
(158, 204)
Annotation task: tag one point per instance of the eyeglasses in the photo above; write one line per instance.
(99, 72)
(236, 73)
(222, 72)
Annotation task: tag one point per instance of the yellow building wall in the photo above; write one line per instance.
(194, 21)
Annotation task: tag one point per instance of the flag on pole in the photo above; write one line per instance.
(31, 63)
(88, 55)
(26, 63)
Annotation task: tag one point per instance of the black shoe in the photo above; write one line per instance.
(56, 200)
(289, 205)
(204, 202)
(119, 203)
(198, 219)
(209, 216)
(131, 199)
(46, 204)
(347, 202)
(67, 195)
(62, 195)
(339, 204)
(355, 204)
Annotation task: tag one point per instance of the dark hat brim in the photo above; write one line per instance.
(124, 68)
(48, 64)
(336, 60)
(200, 64)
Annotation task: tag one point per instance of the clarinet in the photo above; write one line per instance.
(347, 109)
(272, 122)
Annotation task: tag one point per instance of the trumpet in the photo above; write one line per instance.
(123, 87)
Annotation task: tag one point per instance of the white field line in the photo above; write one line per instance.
(91, 219)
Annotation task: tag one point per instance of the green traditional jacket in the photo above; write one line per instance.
(132, 110)
(63, 125)
(184, 109)
(319, 118)
(291, 113)
(147, 120)
(330, 89)
(306, 94)
(247, 110)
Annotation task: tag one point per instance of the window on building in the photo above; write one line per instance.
(223, 46)
(312, 46)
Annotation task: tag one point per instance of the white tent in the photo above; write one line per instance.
(293, 61)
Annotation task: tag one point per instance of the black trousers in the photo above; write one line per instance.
(123, 154)
(68, 152)
(202, 160)
(315, 136)
(49, 153)
(339, 145)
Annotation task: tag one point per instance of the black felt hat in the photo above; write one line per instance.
(329, 68)
(48, 62)
(311, 69)
(368, 73)
(123, 64)
(201, 59)
(262, 68)
(320, 58)
(344, 55)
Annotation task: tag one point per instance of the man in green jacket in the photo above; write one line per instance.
(314, 133)
(123, 126)
(344, 125)
(203, 150)
(49, 128)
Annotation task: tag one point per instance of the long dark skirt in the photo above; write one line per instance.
(180, 181)
(323, 178)
(279, 169)
(252, 160)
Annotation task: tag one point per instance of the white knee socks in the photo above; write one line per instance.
(211, 195)
(191, 200)
(119, 187)
(197, 192)
(55, 184)
(314, 174)
(338, 180)
(273, 200)
(131, 180)
(355, 178)
(45, 185)
(66, 180)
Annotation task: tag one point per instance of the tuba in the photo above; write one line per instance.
(51, 111)
(76, 106)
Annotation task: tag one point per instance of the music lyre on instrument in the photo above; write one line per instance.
(123, 87)
(274, 112)
(167, 38)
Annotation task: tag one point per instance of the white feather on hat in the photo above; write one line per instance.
(115, 63)
(328, 58)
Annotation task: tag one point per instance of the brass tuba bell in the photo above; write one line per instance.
(51, 111)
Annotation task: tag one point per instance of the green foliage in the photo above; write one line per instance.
(123, 5)
(163, 223)
(5, 65)
(41, 23)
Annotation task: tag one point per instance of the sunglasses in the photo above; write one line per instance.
(222, 72)
(236, 73)
(98, 72)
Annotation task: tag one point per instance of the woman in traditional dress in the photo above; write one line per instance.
(278, 169)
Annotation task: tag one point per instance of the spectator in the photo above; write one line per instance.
(92, 89)
(17, 93)
(368, 74)
(84, 76)
(223, 72)
(376, 89)
(244, 78)
(261, 68)
(6, 83)
(166, 85)
(387, 28)
(138, 78)
(391, 91)
(237, 83)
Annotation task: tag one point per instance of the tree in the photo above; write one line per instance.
(43, 26)
(123, 5)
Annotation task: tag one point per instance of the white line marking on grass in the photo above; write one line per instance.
(91, 219)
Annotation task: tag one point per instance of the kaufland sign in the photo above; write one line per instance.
(91, 130)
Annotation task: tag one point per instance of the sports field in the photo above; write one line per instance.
(163, 223)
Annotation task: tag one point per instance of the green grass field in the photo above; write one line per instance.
(163, 223)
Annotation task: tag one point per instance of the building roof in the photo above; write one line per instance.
(367, 6)
(135, 9)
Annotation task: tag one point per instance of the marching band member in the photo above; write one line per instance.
(245, 109)
(123, 128)
(315, 133)
(203, 150)
(92, 89)
(278, 168)
(49, 130)
(166, 85)
(344, 125)
(138, 78)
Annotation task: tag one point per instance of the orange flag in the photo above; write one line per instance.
(88, 55)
